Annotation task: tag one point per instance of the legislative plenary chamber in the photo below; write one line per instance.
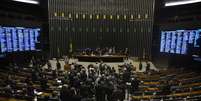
(100, 50)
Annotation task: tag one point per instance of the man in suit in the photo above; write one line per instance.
(140, 65)
(134, 84)
(43, 82)
(49, 66)
(58, 65)
(100, 91)
(65, 94)
(148, 66)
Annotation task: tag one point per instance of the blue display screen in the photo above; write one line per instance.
(14, 39)
(178, 41)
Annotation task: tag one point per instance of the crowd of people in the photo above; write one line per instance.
(98, 82)
(74, 82)
(103, 51)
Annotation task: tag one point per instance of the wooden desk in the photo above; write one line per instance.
(109, 58)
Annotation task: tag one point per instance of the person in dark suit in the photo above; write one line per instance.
(58, 65)
(30, 90)
(35, 76)
(147, 67)
(43, 82)
(126, 76)
(134, 85)
(140, 65)
(100, 91)
(74, 95)
(34, 62)
(49, 66)
(102, 68)
(126, 52)
(166, 88)
(84, 91)
(120, 94)
(109, 90)
(83, 75)
(97, 93)
(54, 74)
(65, 94)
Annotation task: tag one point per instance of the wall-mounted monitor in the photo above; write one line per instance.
(177, 42)
(18, 39)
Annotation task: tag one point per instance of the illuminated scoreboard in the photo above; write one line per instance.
(14, 39)
(3, 40)
(178, 41)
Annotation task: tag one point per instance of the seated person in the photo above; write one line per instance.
(84, 53)
(92, 53)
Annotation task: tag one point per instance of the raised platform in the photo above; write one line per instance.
(111, 64)
(106, 58)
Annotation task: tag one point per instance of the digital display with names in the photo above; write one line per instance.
(177, 41)
(14, 39)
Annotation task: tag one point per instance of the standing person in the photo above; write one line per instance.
(67, 67)
(140, 65)
(34, 62)
(148, 66)
(31, 63)
(58, 65)
(66, 60)
(113, 50)
(126, 75)
(101, 67)
(126, 52)
(110, 51)
(109, 90)
(134, 85)
(54, 74)
(44, 81)
(49, 66)
(98, 93)
(121, 92)
(65, 94)
(16, 67)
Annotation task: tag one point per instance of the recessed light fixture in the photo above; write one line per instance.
(28, 1)
(181, 2)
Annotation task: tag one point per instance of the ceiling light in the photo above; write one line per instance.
(181, 2)
(28, 1)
